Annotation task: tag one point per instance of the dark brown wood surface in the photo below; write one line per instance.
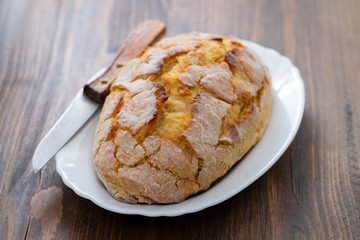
(48, 50)
(140, 37)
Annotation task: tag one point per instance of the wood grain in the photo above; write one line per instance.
(312, 192)
(141, 36)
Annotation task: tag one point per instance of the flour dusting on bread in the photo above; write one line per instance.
(179, 116)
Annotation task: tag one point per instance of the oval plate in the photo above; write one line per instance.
(74, 161)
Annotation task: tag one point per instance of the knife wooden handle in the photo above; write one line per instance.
(138, 39)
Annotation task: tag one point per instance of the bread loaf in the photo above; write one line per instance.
(179, 116)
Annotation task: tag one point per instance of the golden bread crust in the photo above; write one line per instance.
(179, 116)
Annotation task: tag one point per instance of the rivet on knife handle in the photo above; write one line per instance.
(139, 38)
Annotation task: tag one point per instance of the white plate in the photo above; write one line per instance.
(74, 161)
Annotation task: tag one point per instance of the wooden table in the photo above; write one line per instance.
(48, 49)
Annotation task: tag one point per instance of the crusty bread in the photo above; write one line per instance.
(179, 116)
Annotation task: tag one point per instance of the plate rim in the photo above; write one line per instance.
(175, 212)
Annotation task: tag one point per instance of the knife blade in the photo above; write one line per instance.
(79, 111)
(90, 98)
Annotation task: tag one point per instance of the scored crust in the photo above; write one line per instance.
(179, 116)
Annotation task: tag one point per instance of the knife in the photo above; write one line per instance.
(89, 99)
